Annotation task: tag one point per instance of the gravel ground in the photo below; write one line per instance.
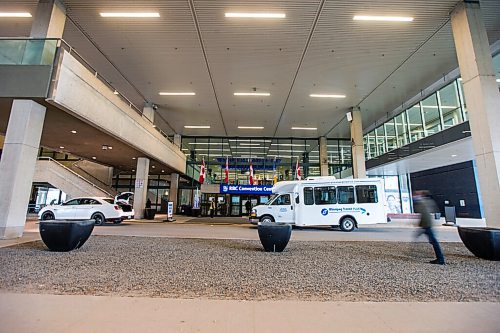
(236, 269)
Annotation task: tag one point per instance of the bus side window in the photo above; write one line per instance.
(345, 194)
(325, 195)
(308, 196)
(366, 193)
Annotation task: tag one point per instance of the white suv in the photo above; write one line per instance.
(89, 208)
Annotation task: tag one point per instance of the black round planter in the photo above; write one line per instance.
(482, 242)
(64, 235)
(274, 236)
(149, 213)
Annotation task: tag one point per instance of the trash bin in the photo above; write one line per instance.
(450, 215)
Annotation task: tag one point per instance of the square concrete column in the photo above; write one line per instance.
(177, 140)
(141, 187)
(323, 156)
(174, 189)
(49, 19)
(148, 112)
(17, 165)
(358, 149)
(483, 102)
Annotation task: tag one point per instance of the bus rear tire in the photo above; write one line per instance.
(267, 219)
(347, 224)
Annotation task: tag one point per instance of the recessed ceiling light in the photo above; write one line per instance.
(383, 18)
(73, 131)
(130, 14)
(61, 147)
(116, 92)
(110, 147)
(153, 166)
(251, 127)
(305, 128)
(133, 158)
(162, 93)
(256, 15)
(93, 157)
(327, 95)
(162, 170)
(454, 155)
(251, 94)
(18, 14)
(133, 170)
(196, 126)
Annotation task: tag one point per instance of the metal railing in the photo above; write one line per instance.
(75, 174)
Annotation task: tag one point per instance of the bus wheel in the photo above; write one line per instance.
(347, 224)
(267, 219)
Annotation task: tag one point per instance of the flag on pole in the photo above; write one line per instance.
(275, 175)
(251, 173)
(202, 172)
(226, 180)
(297, 170)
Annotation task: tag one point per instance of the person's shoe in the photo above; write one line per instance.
(437, 262)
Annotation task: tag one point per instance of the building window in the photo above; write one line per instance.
(415, 123)
(450, 105)
(430, 112)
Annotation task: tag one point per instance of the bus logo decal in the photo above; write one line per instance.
(324, 212)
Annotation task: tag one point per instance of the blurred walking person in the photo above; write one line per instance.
(426, 207)
(213, 207)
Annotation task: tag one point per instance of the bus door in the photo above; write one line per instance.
(283, 209)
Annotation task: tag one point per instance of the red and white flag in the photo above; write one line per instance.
(297, 170)
(202, 172)
(251, 173)
(226, 180)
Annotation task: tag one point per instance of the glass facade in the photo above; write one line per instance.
(439, 111)
(269, 157)
(158, 188)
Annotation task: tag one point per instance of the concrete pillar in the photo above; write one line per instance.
(148, 112)
(177, 140)
(358, 150)
(323, 156)
(49, 19)
(483, 100)
(17, 165)
(174, 189)
(141, 187)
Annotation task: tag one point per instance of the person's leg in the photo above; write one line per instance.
(435, 244)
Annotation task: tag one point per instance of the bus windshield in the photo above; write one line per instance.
(271, 198)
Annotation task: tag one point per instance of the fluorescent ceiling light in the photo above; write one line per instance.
(249, 144)
(256, 15)
(250, 153)
(116, 92)
(177, 93)
(383, 18)
(130, 14)
(196, 126)
(73, 131)
(208, 143)
(327, 95)
(289, 144)
(305, 128)
(248, 140)
(208, 149)
(251, 127)
(251, 94)
(19, 14)
(246, 147)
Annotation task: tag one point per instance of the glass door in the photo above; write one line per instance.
(235, 205)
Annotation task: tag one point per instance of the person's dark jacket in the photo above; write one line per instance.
(425, 207)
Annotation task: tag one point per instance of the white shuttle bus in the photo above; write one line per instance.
(317, 201)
